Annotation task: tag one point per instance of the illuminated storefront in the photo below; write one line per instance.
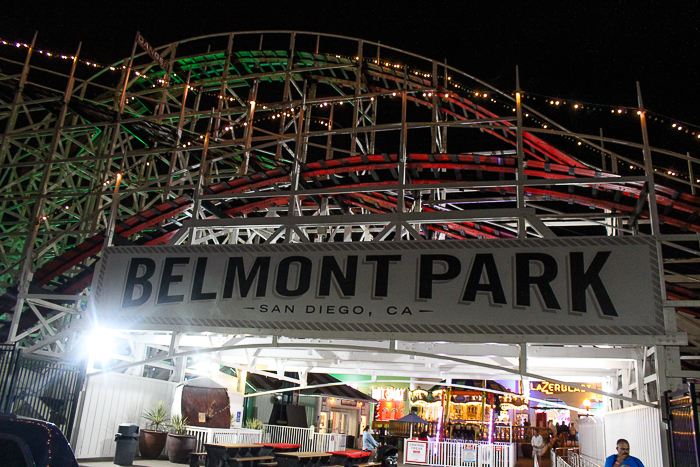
(391, 405)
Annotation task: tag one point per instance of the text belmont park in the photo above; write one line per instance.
(293, 278)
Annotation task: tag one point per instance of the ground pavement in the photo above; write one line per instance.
(164, 462)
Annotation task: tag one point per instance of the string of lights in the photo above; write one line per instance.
(676, 124)
(58, 55)
(479, 95)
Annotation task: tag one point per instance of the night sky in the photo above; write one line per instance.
(563, 49)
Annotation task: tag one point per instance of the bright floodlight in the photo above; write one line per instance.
(100, 343)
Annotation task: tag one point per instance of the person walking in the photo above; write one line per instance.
(623, 458)
(369, 444)
(573, 433)
(537, 444)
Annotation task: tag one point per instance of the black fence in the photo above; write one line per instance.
(682, 413)
(38, 388)
(9, 359)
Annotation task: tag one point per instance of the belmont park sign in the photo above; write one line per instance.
(409, 290)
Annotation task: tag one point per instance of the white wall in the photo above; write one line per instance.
(111, 399)
(591, 435)
(236, 403)
(640, 425)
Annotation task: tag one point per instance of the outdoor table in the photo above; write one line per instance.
(348, 458)
(243, 453)
(301, 459)
(241, 449)
(271, 448)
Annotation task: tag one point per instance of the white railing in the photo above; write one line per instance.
(324, 442)
(578, 460)
(223, 435)
(289, 434)
(559, 461)
(471, 454)
(310, 441)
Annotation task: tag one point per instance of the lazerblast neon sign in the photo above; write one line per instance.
(561, 286)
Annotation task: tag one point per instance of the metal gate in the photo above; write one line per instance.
(9, 357)
(37, 388)
(682, 409)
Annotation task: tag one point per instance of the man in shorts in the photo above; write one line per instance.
(537, 444)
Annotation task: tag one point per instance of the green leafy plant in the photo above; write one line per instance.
(179, 424)
(157, 417)
(253, 424)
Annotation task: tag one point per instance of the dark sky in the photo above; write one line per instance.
(564, 49)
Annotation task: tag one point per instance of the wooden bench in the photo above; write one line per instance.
(249, 461)
(368, 464)
(269, 464)
(196, 456)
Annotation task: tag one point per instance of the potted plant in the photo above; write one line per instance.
(180, 444)
(152, 440)
(253, 424)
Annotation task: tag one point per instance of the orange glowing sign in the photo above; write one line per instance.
(551, 388)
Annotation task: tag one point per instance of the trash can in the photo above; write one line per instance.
(127, 439)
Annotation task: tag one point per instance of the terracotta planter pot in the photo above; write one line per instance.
(151, 443)
(180, 447)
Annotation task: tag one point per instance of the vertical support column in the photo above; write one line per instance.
(18, 97)
(666, 361)
(201, 181)
(127, 75)
(520, 174)
(166, 82)
(329, 138)
(522, 368)
(401, 162)
(307, 124)
(435, 145)
(198, 98)
(691, 175)
(648, 167)
(603, 165)
(287, 90)
(178, 374)
(113, 212)
(296, 167)
(138, 353)
(445, 84)
(25, 273)
(639, 372)
(356, 101)
(224, 77)
(180, 125)
(373, 135)
(111, 221)
(248, 132)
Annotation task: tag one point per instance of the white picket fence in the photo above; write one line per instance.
(461, 454)
(224, 435)
(579, 460)
(310, 440)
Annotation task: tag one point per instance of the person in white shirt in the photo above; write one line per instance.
(537, 445)
(369, 443)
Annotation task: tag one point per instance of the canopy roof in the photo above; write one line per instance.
(342, 391)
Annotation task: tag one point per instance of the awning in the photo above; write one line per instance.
(342, 391)
(490, 384)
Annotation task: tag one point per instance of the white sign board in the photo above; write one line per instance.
(416, 452)
(468, 453)
(577, 289)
